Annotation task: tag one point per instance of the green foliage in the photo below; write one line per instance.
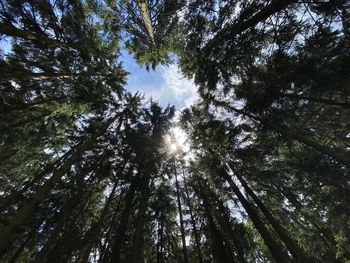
(86, 172)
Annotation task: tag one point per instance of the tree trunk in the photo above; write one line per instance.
(325, 233)
(53, 250)
(218, 248)
(160, 243)
(183, 236)
(25, 213)
(94, 232)
(277, 251)
(137, 249)
(146, 17)
(17, 196)
(12, 31)
(224, 219)
(103, 257)
(345, 105)
(24, 244)
(193, 222)
(337, 154)
(38, 76)
(13, 126)
(230, 31)
(9, 108)
(218, 243)
(293, 247)
(124, 221)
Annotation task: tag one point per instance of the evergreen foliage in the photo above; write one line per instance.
(92, 173)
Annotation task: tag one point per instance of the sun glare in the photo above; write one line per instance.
(173, 147)
(177, 141)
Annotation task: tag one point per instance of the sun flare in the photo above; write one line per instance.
(173, 147)
(176, 140)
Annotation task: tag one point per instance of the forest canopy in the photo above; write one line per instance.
(256, 170)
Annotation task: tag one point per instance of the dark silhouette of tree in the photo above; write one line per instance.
(92, 173)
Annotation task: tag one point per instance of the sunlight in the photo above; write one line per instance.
(177, 141)
(173, 147)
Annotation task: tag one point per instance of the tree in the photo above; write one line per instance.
(153, 30)
(92, 173)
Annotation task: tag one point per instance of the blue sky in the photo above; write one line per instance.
(165, 84)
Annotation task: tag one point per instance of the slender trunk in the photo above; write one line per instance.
(345, 17)
(224, 219)
(13, 126)
(229, 32)
(225, 227)
(62, 250)
(218, 243)
(218, 248)
(19, 251)
(292, 246)
(325, 233)
(25, 213)
(183, 237)
(146, 17)
(107, 242)
(160, 243)
(94, 232)
(53, 248)
(338, 154)
(26, 106)
(38, 76)
(17, 196)
(277, 251)
(124, 221)
(193, 222)
(345, 105)
(136, 252)
(10, 30)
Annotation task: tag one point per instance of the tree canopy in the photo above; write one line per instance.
(257, 170)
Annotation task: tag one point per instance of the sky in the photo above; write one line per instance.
(165, 84)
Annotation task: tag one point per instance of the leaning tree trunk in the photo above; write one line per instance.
(292, 246)
(277, 251)
(94, 232)
(325, 233)
(24, 214)
(146, 17)
(17, 196)
(28, 106)
(193, 222)
(60, 251)
(71, 211)
(218, 245)
(160, 241)
(183, 237)
(224, 219)
(40, 76)
(20, 250)
(137, 248)
(107, 243)
(123, 224)
(337, 154)
(230, 31)
(345, 105)
(12, 31)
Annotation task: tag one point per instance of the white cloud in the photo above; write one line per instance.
(175, 88)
